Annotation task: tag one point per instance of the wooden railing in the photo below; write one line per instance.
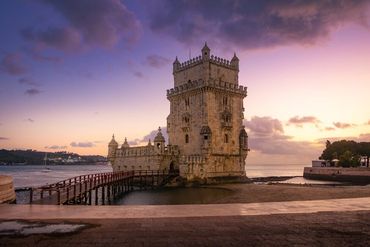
(81, 186)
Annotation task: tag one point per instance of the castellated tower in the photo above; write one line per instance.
(207, 140)
(206, 117)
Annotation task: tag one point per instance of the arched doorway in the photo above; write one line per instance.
(172, 167)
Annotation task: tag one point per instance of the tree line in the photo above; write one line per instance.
(348, 153)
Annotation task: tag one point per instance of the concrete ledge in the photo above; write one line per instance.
(359, 175)
(7, 192)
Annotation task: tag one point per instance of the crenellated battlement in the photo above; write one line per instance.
(199, 60)
(204, 126)
(211, 84)
(146, 151)
(189, 63)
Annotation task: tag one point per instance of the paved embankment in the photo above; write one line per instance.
(175, 211)
(338, 222)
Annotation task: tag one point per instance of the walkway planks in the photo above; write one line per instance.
(97, 188)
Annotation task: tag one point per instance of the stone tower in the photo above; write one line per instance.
(206, 117)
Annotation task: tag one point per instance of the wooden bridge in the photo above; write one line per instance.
(100, 188)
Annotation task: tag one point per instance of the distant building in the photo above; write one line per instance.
(207, 138)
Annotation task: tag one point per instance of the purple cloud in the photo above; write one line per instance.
(56, 147)
(255, 23)
(365, 137)
(263, 126)
(157, 61)
(27, 81)
(299, 121)
(30, 120)
(150, 136)
(266, 135)
(340, 125)
(3, 138)
(91, 23)
(32, 91)
(82, 144)
(138, 74)
(12, 64)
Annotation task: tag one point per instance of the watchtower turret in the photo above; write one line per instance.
(159, 141)
(235, 62)
(112, 149)
(206, 52)
(125, 144)
(176, 65)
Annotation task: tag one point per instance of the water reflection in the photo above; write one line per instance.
(172, 196)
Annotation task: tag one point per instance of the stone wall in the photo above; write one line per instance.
(354, 175)
(7, 193)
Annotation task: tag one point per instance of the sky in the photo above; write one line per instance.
(72, 73)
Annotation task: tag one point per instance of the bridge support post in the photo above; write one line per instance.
(31, 195)
(103, 194)
(96, 195)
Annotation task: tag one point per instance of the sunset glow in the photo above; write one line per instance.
(69, 83)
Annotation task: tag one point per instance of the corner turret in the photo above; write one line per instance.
(112, 148)
(125, 144)
(235, 62)
(176, 65)
(159, 141)
(206, 52)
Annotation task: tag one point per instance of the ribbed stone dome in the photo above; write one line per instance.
(159, 137)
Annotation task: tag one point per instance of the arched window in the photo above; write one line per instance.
(186, 138)
(224, 100)
(226, 138)
(187, 102)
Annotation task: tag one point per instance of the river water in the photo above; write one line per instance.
(35, 175)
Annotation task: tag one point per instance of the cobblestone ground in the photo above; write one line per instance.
(316, 229)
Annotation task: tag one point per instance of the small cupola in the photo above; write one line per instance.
(159, 137)
(125, 144)
(113, 142)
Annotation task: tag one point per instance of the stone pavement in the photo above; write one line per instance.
(8, 211)
(338, 222)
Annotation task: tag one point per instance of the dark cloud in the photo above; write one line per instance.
(263, 126)
(299, 121)
(3, 138)
(157, 61)
(365, 137)
(82, 144)
(138, 74)
(32, 91)
(12, 64)
(340, 125)
(43, 58)
(144, 140)
(91, 23)
(30, 120)
(266, 135)
(254, 23)
(56, 147)
(66, 38)
(27, 81)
